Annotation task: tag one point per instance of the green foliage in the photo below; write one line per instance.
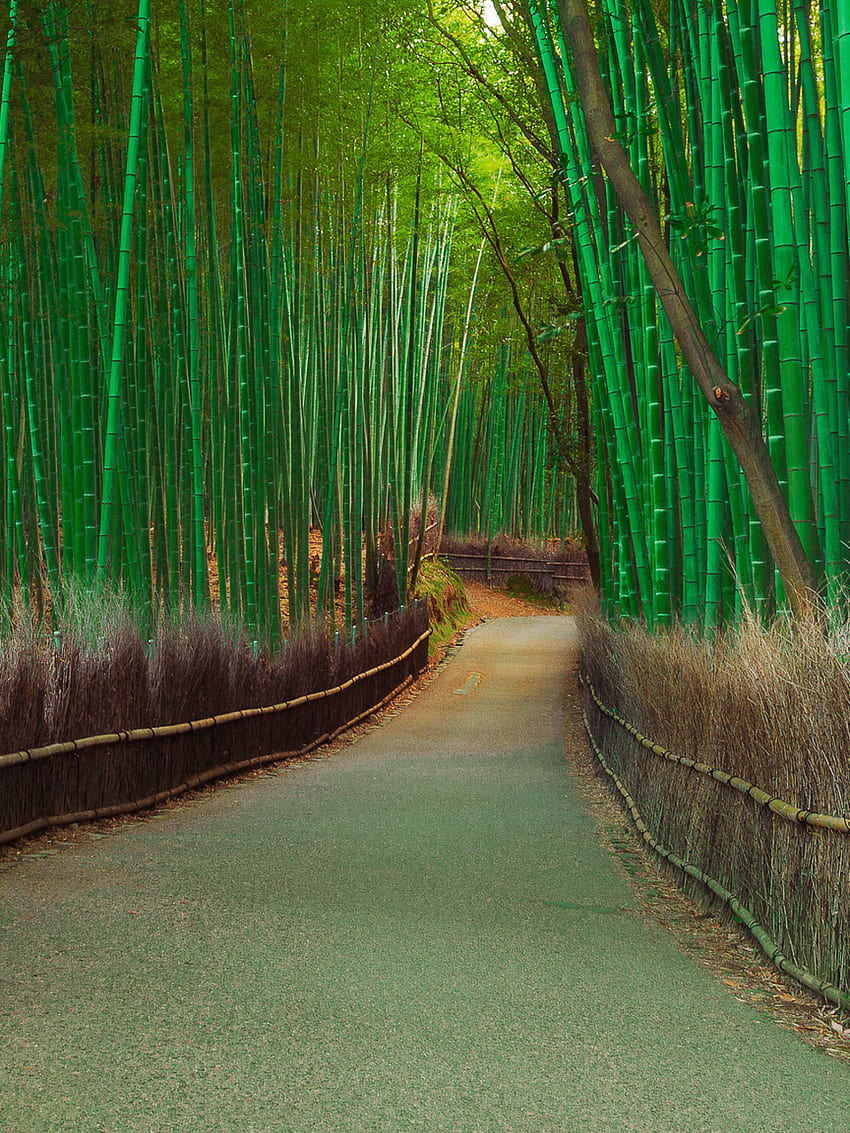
(729, 114)
(229, 314)
(519, 586)
(448, 611)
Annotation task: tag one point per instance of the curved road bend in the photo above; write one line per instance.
(420, 933)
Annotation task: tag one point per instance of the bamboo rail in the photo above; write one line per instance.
(199, 780)
(139, 735)
(768, 945)
(136, 735)
(465, 562)
(763, 798)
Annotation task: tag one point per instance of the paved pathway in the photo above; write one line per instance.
(419, 933)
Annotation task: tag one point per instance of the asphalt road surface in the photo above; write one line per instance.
(421, 932)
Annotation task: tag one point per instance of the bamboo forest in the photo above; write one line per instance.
(428, 420)
(268, 273)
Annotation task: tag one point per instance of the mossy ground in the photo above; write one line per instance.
(519, 586)
(448, 609)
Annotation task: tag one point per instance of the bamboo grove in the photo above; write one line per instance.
(205, 362)
(734, 114)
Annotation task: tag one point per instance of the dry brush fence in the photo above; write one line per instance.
(286, 708)
(548, 572)
(732, 757)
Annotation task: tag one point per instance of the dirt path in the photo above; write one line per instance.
(491, 602)
(421, 932)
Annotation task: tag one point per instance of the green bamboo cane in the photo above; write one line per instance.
(6, 92)
(113, 420)
(200, 585)
(20, 312)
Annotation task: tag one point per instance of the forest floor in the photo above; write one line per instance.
(490, 602)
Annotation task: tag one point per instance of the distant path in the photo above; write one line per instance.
(419, 933)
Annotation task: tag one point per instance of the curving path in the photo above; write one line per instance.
(419, 933)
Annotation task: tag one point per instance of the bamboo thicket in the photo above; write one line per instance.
(733, 113)
(226, 342)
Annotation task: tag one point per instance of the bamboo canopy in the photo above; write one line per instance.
(226, 364)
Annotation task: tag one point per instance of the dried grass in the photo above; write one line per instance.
(771, 706)
(95, 675)
(503, 558)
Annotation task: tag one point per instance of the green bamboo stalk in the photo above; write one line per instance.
(199, 579)
(113, 421)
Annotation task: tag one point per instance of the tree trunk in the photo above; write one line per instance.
(739, 422)
(584, 489)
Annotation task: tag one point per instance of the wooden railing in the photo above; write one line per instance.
(497, 568)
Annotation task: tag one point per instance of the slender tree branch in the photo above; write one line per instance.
(481, 79)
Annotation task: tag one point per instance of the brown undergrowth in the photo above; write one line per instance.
(98, 676)
(551, 569)
(770, 706)
(711, 940)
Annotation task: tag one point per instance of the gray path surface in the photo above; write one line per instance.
(419, 933)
